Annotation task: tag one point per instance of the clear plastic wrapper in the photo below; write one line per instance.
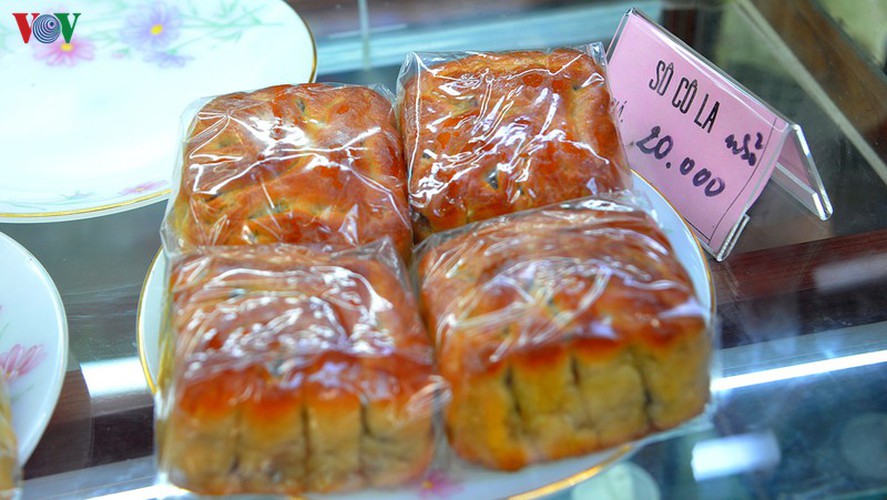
(487, 134)
(562, 331)
(310, 163)
(10, 471)
(290, 369)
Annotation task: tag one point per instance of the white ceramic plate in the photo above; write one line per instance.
(464, 480)
(33, 342)
(92, 127)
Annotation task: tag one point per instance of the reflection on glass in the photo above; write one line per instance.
(735, 454)
(799, 370)
(114, 377)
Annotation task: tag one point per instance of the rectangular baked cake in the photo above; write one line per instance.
(562, 331)
(487, 134)
(294, 369)
(311, 163)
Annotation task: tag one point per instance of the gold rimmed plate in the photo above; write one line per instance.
(91, 125)
(463, 480)
(33, 342)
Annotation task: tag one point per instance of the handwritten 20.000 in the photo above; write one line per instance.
(701, 178)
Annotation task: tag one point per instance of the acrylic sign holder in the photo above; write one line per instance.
(705, 141)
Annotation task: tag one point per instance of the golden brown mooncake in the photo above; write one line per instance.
(495, 133)
(294, 370)
(308, 163)
(562, 331)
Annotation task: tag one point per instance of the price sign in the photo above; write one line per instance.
(705, 142)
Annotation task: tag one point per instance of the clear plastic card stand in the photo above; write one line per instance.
(700, 137)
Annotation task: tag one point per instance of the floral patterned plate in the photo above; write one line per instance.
(33, 342)
(459, 479)
(90, 125)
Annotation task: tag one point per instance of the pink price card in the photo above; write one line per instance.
(704, 141)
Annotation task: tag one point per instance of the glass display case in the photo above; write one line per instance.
(800, 410)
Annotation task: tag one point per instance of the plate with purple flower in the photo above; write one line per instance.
(33, 342)
(94, 91)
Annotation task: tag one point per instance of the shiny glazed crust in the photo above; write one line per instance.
(294, 371)
(563, 332)
(294, 164)
(491, 134)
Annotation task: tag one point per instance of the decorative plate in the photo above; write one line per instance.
(33, 342)
(465, 480)
(92, 102)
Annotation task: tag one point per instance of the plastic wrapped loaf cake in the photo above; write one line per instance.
(294, 370)
(310, 163)
(562, 331)
(9, 468)
(487, 134)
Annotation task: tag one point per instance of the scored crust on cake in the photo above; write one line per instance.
(308, 163)
(562, 331)
(294, 370)
(494, 133)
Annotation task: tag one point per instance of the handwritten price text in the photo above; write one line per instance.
(701, 178)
